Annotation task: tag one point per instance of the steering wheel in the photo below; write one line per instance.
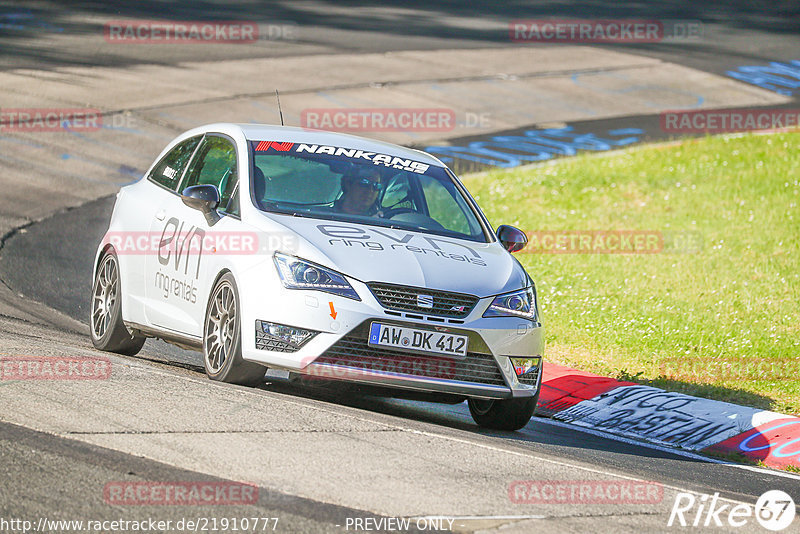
(391, 212)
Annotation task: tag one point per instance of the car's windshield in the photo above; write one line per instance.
(343, 184)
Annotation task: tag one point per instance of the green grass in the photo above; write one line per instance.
(720, 322)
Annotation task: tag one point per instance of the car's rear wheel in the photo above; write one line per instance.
(222, 344)
(107, 329)
(506, 414)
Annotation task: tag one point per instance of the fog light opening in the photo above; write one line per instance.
(526, 367)
(291, 336)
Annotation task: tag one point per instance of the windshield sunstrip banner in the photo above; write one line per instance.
(376, 158)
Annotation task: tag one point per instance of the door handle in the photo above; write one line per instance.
(161, 214)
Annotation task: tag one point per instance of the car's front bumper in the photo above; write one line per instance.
(339, 350)
(478, 374)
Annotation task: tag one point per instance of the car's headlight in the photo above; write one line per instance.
(300, 274)
(520, 303)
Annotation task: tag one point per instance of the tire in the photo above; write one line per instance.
(222, 343)
(105, 322)
(510, 414)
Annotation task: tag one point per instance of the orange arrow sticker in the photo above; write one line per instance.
(333, 311)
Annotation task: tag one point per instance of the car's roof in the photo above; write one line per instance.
(270, 132)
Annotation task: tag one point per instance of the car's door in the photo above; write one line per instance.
(181, 270)
(161, 185)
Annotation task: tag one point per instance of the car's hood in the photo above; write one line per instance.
(372, 253)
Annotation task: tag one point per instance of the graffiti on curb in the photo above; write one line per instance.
(782, 78)
(534, 145)
(662, 416)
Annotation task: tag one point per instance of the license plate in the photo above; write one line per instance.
(400, 337)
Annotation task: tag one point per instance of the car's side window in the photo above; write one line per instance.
(398, 194)
(168, 171)
(215, 164)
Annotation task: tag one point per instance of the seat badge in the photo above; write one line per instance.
(425, 301)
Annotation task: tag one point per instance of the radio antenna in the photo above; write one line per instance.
(279, 105)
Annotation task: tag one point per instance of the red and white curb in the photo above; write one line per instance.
(668, 418)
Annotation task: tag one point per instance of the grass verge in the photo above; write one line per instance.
(713, 309)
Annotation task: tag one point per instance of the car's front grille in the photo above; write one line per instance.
(353, 351)
(267, 342)
(531, 378)
(421, 300)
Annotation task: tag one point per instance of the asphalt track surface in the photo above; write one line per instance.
(67, 473)
(49, 262)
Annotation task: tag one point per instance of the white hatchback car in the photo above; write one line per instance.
(326, 255)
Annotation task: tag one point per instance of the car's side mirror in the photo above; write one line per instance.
(513, 239)
(204, 197)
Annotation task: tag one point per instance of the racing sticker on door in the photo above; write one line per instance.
(180, 247)
(354, 236)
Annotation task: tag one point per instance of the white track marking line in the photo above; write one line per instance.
(250, 392)
(559, 463)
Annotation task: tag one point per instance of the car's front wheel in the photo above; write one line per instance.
(107, 329)
(506, 414)
(222, 344)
